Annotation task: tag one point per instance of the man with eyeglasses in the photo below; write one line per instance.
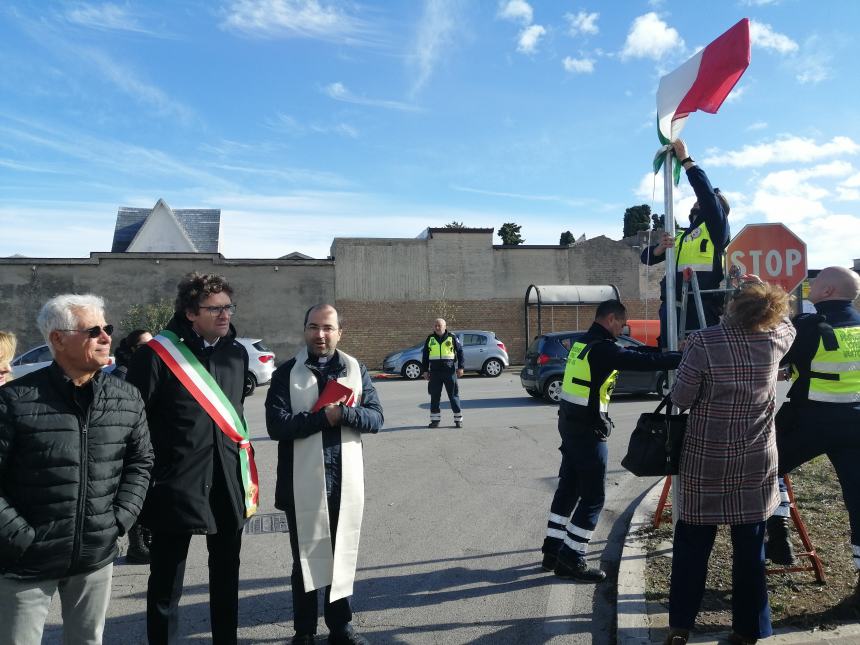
(191, 377)
(319, 403)
(75, 461)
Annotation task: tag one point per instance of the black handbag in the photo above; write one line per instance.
(655, 445)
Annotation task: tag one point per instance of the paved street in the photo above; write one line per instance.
(453, 524)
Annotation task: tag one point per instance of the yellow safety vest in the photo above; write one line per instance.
(834, 375)
(577, 384)
(443, 351)
(695, 249)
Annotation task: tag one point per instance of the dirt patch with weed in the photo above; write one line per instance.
(796, 599)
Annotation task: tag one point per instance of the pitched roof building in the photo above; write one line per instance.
(162, 229)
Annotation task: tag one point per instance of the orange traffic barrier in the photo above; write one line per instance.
(645, 331)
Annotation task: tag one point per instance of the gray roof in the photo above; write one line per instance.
(201, 225)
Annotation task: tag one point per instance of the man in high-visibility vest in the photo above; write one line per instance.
(701, 247)
(584, 426)
(442, 363)
(822, 415)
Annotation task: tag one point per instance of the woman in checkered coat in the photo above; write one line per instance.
(727, 379)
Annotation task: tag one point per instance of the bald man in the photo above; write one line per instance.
(822, 415)
(442, 362)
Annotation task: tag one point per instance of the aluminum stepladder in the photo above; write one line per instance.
(691, 283)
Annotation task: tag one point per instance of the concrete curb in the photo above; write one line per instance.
(636, 626)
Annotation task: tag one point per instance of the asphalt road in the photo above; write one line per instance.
(453, 524)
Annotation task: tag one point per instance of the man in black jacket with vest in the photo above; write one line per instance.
(442, 363)
(74, 468)
(197, 487)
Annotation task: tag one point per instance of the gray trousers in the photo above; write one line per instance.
(24, 606)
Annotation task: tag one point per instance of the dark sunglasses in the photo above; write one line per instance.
(92, 332)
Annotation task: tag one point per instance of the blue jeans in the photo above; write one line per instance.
(24, 606)
(693, 544)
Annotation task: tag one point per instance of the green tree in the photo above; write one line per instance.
(455, 224)
(510, 233)
(637, 218)
(566, 239)
(658, 221)
(152, 316)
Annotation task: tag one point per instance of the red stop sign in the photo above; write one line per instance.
(772, 252)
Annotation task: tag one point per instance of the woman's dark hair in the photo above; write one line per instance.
(196, 287)
(127, 346)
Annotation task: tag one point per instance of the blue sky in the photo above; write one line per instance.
(306, 119)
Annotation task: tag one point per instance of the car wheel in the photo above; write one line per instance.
(534, 393)
(250, 384)
(663, 386)
(552, 389)
(412, 370)
(493, 367)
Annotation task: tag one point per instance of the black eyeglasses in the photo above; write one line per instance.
(92, 332)
(218, 310)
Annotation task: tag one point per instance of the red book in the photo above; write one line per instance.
(334, 392)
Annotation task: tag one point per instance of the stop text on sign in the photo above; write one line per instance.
(774, 264)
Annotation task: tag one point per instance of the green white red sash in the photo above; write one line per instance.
(199, 382)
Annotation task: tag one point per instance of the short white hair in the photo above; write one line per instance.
(62, 312)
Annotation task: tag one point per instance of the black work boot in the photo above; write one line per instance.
(347, 636)
(138, 547)
(433, 424)
(778, 548)
(578, 570)
(303, 639)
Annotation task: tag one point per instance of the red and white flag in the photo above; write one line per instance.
(704, 81)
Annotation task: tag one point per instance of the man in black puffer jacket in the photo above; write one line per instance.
(75, 458)
(197, 486)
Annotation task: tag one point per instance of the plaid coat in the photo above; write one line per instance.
(727, 379)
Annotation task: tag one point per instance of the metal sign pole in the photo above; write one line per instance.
(671, 297)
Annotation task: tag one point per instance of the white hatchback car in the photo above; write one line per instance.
(36, 359)
(261, 363)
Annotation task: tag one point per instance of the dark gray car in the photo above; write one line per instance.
(482, 353)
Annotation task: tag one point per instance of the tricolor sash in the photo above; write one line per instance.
(321, 565)
(199, 382)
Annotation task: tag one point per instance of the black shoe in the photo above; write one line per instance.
(433, 424)
(778, 548)
(579, 570)
(549, 561)
(347, 636)
(458, 424)
(138, 549)
(737, 639)
(677, 637)
(303, 639)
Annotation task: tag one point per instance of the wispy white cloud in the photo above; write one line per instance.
(288, 124)
(814, 63)
(789, 149)
(762, 35)
(582, 23)
(106, 17)
(758, 125)
(516, 11)
(651, 37)
(566, 201)
(528, 39)
(436, 35)
(296, 19)
(736, 94)
(339, 92)
(578, 65)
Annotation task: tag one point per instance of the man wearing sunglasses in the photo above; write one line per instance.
(75, 459)
(191, 378)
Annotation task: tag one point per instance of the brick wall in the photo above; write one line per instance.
(374, 329)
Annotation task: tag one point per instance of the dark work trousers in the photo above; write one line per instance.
(581, 491)
(434, 387)
(306, 604)
(169, 552)
(692, 548)
(805, 432)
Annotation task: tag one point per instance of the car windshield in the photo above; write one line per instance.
(261, 347)
(534, 348)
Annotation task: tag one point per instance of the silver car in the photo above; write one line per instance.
(482, 352)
